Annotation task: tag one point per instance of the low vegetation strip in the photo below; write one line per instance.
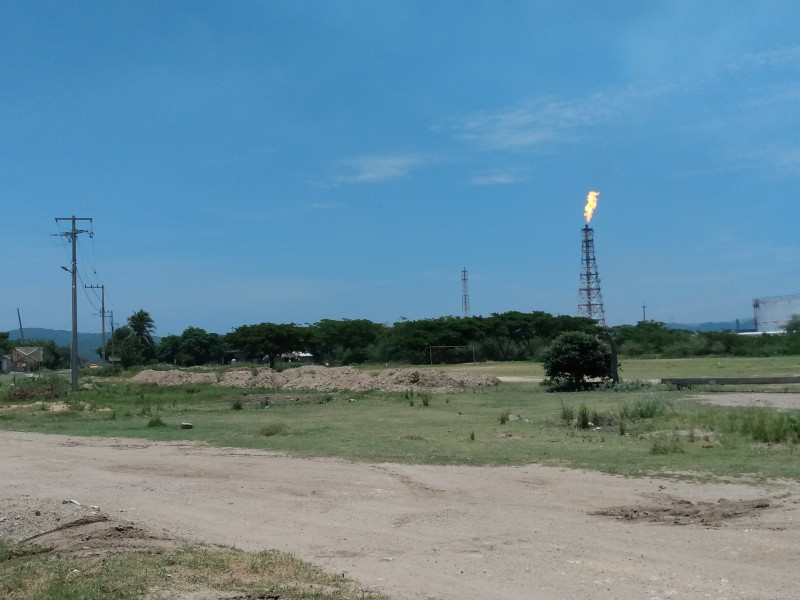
(687, 381)
(95, 557)
(192, 571)
(635, 430)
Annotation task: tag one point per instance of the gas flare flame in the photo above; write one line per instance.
(591, 204)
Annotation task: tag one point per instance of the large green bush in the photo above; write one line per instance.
(575, 357)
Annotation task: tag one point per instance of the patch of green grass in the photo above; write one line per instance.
(666, 444)
(216, 571)
(464, 429)
(644, 407)
(648, 369)
(275, 428)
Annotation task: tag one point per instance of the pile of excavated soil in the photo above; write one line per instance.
(325, 379)
(72, 527)
(97, 535)
(683, 512)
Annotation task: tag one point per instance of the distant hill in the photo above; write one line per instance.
(744, 325)
(88, 343)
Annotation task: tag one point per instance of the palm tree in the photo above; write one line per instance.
(142, 328)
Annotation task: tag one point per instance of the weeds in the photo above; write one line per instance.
(275, 428)
(125, 576)
(763, 425)
(567, 414)
(504, 417)
(583, 418)
(38, 387)
(237, 405)
(156, 422)
(648, 407)
(666, 444)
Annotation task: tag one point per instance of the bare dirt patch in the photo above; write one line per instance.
(780, 401)
(430, 532)
(325, 379)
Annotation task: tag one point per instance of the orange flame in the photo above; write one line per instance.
(591, 204)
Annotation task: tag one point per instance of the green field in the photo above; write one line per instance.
(641, 430)
(638, 429)
(650, 369)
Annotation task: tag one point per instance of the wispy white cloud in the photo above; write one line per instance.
(377, 168)
(781, 159)
(769, 99)
(497, 177)
(544, 121)
(770, 59)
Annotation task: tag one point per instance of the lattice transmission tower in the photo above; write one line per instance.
(464, 293)
(590, 298)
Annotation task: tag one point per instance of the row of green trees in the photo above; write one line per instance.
(501, 336)
(53, 355)
(506, 336)
(655, 340)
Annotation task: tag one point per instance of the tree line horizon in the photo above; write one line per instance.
(512, 335)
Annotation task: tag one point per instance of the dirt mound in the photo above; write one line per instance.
(173, 377)
(325, 379)
(97, 535)
(684, 512)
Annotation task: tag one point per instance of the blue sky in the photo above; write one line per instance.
(290, 161)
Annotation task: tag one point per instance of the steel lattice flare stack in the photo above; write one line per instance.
(590, 298)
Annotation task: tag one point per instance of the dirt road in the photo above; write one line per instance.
(432, 532)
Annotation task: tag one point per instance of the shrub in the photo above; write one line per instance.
(574, 357)
(156, 422)
(648, 407)
(108, 370)
(567, 415)
(666, 444)
(40, 387)
(275, 428)
(504, 417)
(583, 419)
(237, 405)
(763, 425)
